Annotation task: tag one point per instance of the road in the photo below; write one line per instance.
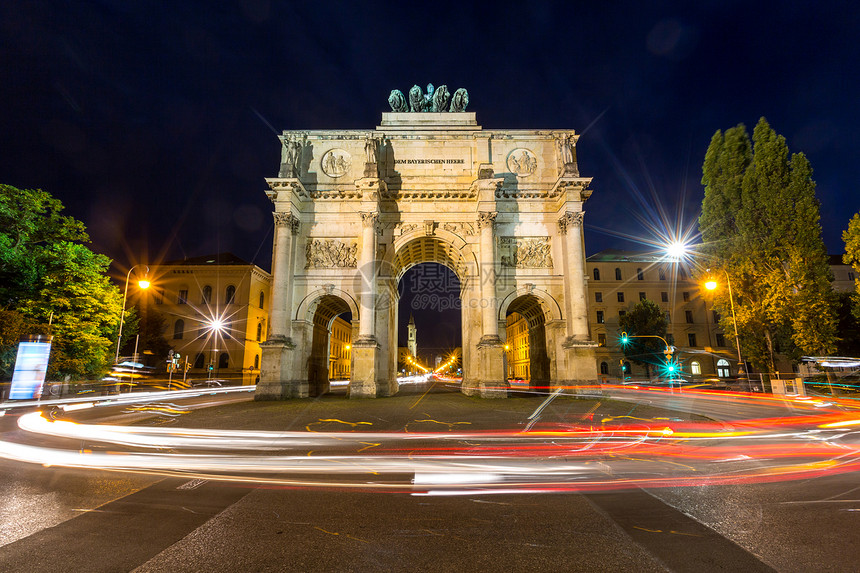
(93, 520)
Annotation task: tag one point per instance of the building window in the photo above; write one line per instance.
(686, 296)
(159, 296)
(598, 297)
(621, 313)
(664, 296)
(620, 296)
(691, 338)
(599, 317)
(850, 276)
(224, 360)
(670, 339)
(688, 315)
(617, 274)
(639, 275)
(641, 296)
(668, 317)
(259, 331)
(721, 339)
(178, 329)
(262, 299)
(183, 297)
(601, 339)
(723, 368)
(207, 294)
(231, 295)
(604, 368)
(695, 368)
(257, 362)
(717, 317)
(198, 362)
(596, 274)
(662, 274)
(682, 273)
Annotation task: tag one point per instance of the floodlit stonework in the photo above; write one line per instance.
(354, 210)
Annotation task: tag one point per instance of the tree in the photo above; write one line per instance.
(760, 224)
(48, 277)
(646, 318)
(851, 236)
(151, 325)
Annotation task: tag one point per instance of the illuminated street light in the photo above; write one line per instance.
(143, 284)
(712, 285)
(676, 250)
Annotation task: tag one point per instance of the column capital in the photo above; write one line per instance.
(369, 219)
(570, 219)
(287, 219)
(486, 219)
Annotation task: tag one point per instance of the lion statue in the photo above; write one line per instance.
(416, 99)
(440, 99)
(397, 101)
(460, 100)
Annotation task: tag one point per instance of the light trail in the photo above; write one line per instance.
(790, 439)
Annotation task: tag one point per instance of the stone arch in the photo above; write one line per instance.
(321, 312)
(550, 306)
(305, 309)
(526, 318)
(449, 250)
(443, 247)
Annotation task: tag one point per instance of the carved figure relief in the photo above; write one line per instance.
(460, 100)
(335, 162)
(440, 99)
(525, 253)
(522, 162)
(330, 254)
(292, 148)
(463, 229)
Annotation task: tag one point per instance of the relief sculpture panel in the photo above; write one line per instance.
(526, 253)
(330, 254)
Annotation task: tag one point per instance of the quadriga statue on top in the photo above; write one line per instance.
(435, 100)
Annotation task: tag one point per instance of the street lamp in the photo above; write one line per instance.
(215, 328)
(143, 284)
(712, 285)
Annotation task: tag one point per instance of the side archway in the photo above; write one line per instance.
(527, 348)
(320, 313)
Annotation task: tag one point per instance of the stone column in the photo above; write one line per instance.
(367, 268)
(286, 226)
(492, 381)
(276, 380)
(581, 365)
(365, 349)
(570, 226)
(486, 222)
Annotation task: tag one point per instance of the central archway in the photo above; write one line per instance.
(450, 251)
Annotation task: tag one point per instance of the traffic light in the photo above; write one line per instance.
(211, 367)
(624, 338)
(668, 352)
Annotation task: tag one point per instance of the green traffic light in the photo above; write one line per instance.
(624, 338)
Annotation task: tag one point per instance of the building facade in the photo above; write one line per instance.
(340, 349)
(216, 315)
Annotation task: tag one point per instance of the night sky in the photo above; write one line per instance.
(155, 122)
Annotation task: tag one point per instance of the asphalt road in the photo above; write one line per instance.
(85, 520)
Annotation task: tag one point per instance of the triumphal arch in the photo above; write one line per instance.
(355, 209)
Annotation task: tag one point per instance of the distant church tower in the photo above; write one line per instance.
(412, 340)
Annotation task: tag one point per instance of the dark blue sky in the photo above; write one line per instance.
(153, 121)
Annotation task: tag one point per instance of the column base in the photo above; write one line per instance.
(491, 381)
(581, 367)
(365, 362)
(276, 380)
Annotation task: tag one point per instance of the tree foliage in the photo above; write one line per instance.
(760, 224)
(47, 276)
(646, 318)
(851, 236)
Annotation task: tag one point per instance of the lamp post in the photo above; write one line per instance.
(711, 285)
(143, 284)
